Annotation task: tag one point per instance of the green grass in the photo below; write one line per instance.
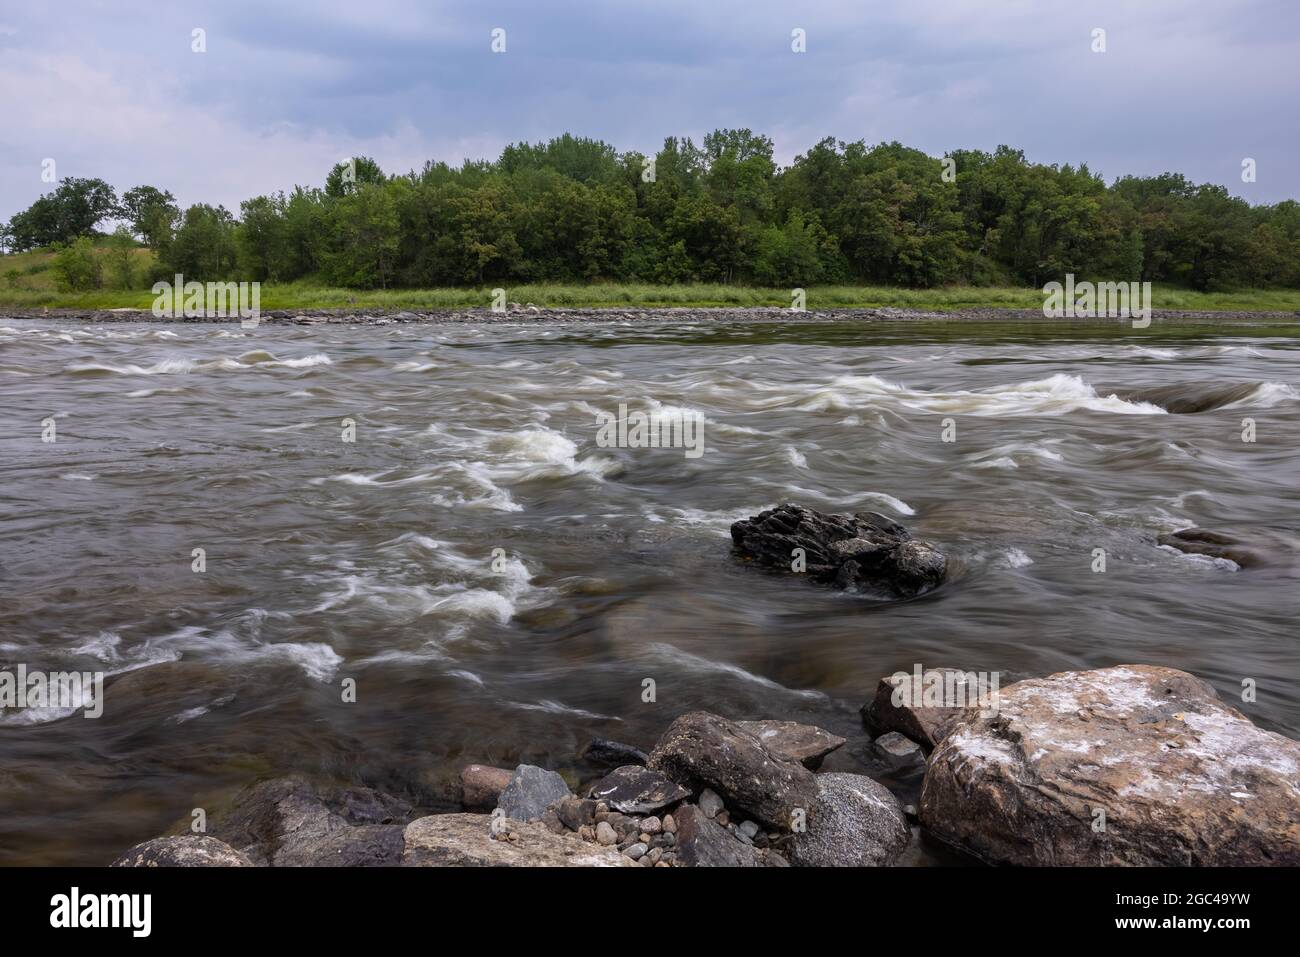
(36, 289)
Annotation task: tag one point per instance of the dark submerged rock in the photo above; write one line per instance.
(288, 822)
(612, 754)
(863, 552)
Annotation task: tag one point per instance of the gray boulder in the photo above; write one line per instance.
(530, 792)
(858, 823)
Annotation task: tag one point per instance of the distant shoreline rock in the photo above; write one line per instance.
(529, 313)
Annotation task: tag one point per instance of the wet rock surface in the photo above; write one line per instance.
(1223, 545)
(901, 704)
(1180, 777)
(633, 789)
(288, 822)
(704, 750)
(864, 552)
(804, 743)
(612, 754)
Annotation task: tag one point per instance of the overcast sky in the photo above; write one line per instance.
(285, 90)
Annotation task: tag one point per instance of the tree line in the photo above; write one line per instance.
(575, 210)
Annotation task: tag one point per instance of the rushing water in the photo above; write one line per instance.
(373, 559)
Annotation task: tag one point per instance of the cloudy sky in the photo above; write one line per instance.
(284, 90)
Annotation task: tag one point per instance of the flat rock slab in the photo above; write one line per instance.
(530, 792)
(914, 710)
(465, 840)
(1181, 778)
(193, 850)
(702, 750)
(633, 789)
(858, 823)
(864, 552)
(804, 743)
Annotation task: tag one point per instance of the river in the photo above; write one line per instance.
(425, 510)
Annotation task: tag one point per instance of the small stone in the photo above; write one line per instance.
(636, 851)
(670, 824)
(645, 838)
(652, 825)
(723, 818)
(552, 822)
(575, 812)
(710, 803)
(587, 832)
(748, 828)
(605, 834)
(654, 855)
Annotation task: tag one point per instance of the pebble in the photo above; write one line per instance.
(605, 834)
(651, 825)
(710, 803)
(636, 851)
(670, 824)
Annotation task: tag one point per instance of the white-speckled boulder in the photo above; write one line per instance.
(1181, 778)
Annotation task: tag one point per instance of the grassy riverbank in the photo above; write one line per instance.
(26, 281)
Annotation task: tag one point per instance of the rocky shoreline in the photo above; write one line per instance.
(529, 313)
(1130, 765)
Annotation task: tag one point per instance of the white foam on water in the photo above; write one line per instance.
(1058, 394)
(1203, 561)
(1016, 558)
(555, 707)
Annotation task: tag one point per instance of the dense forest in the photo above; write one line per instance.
(576, 210)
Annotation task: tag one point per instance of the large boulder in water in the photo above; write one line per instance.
(1181, 778)
(863, 552)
